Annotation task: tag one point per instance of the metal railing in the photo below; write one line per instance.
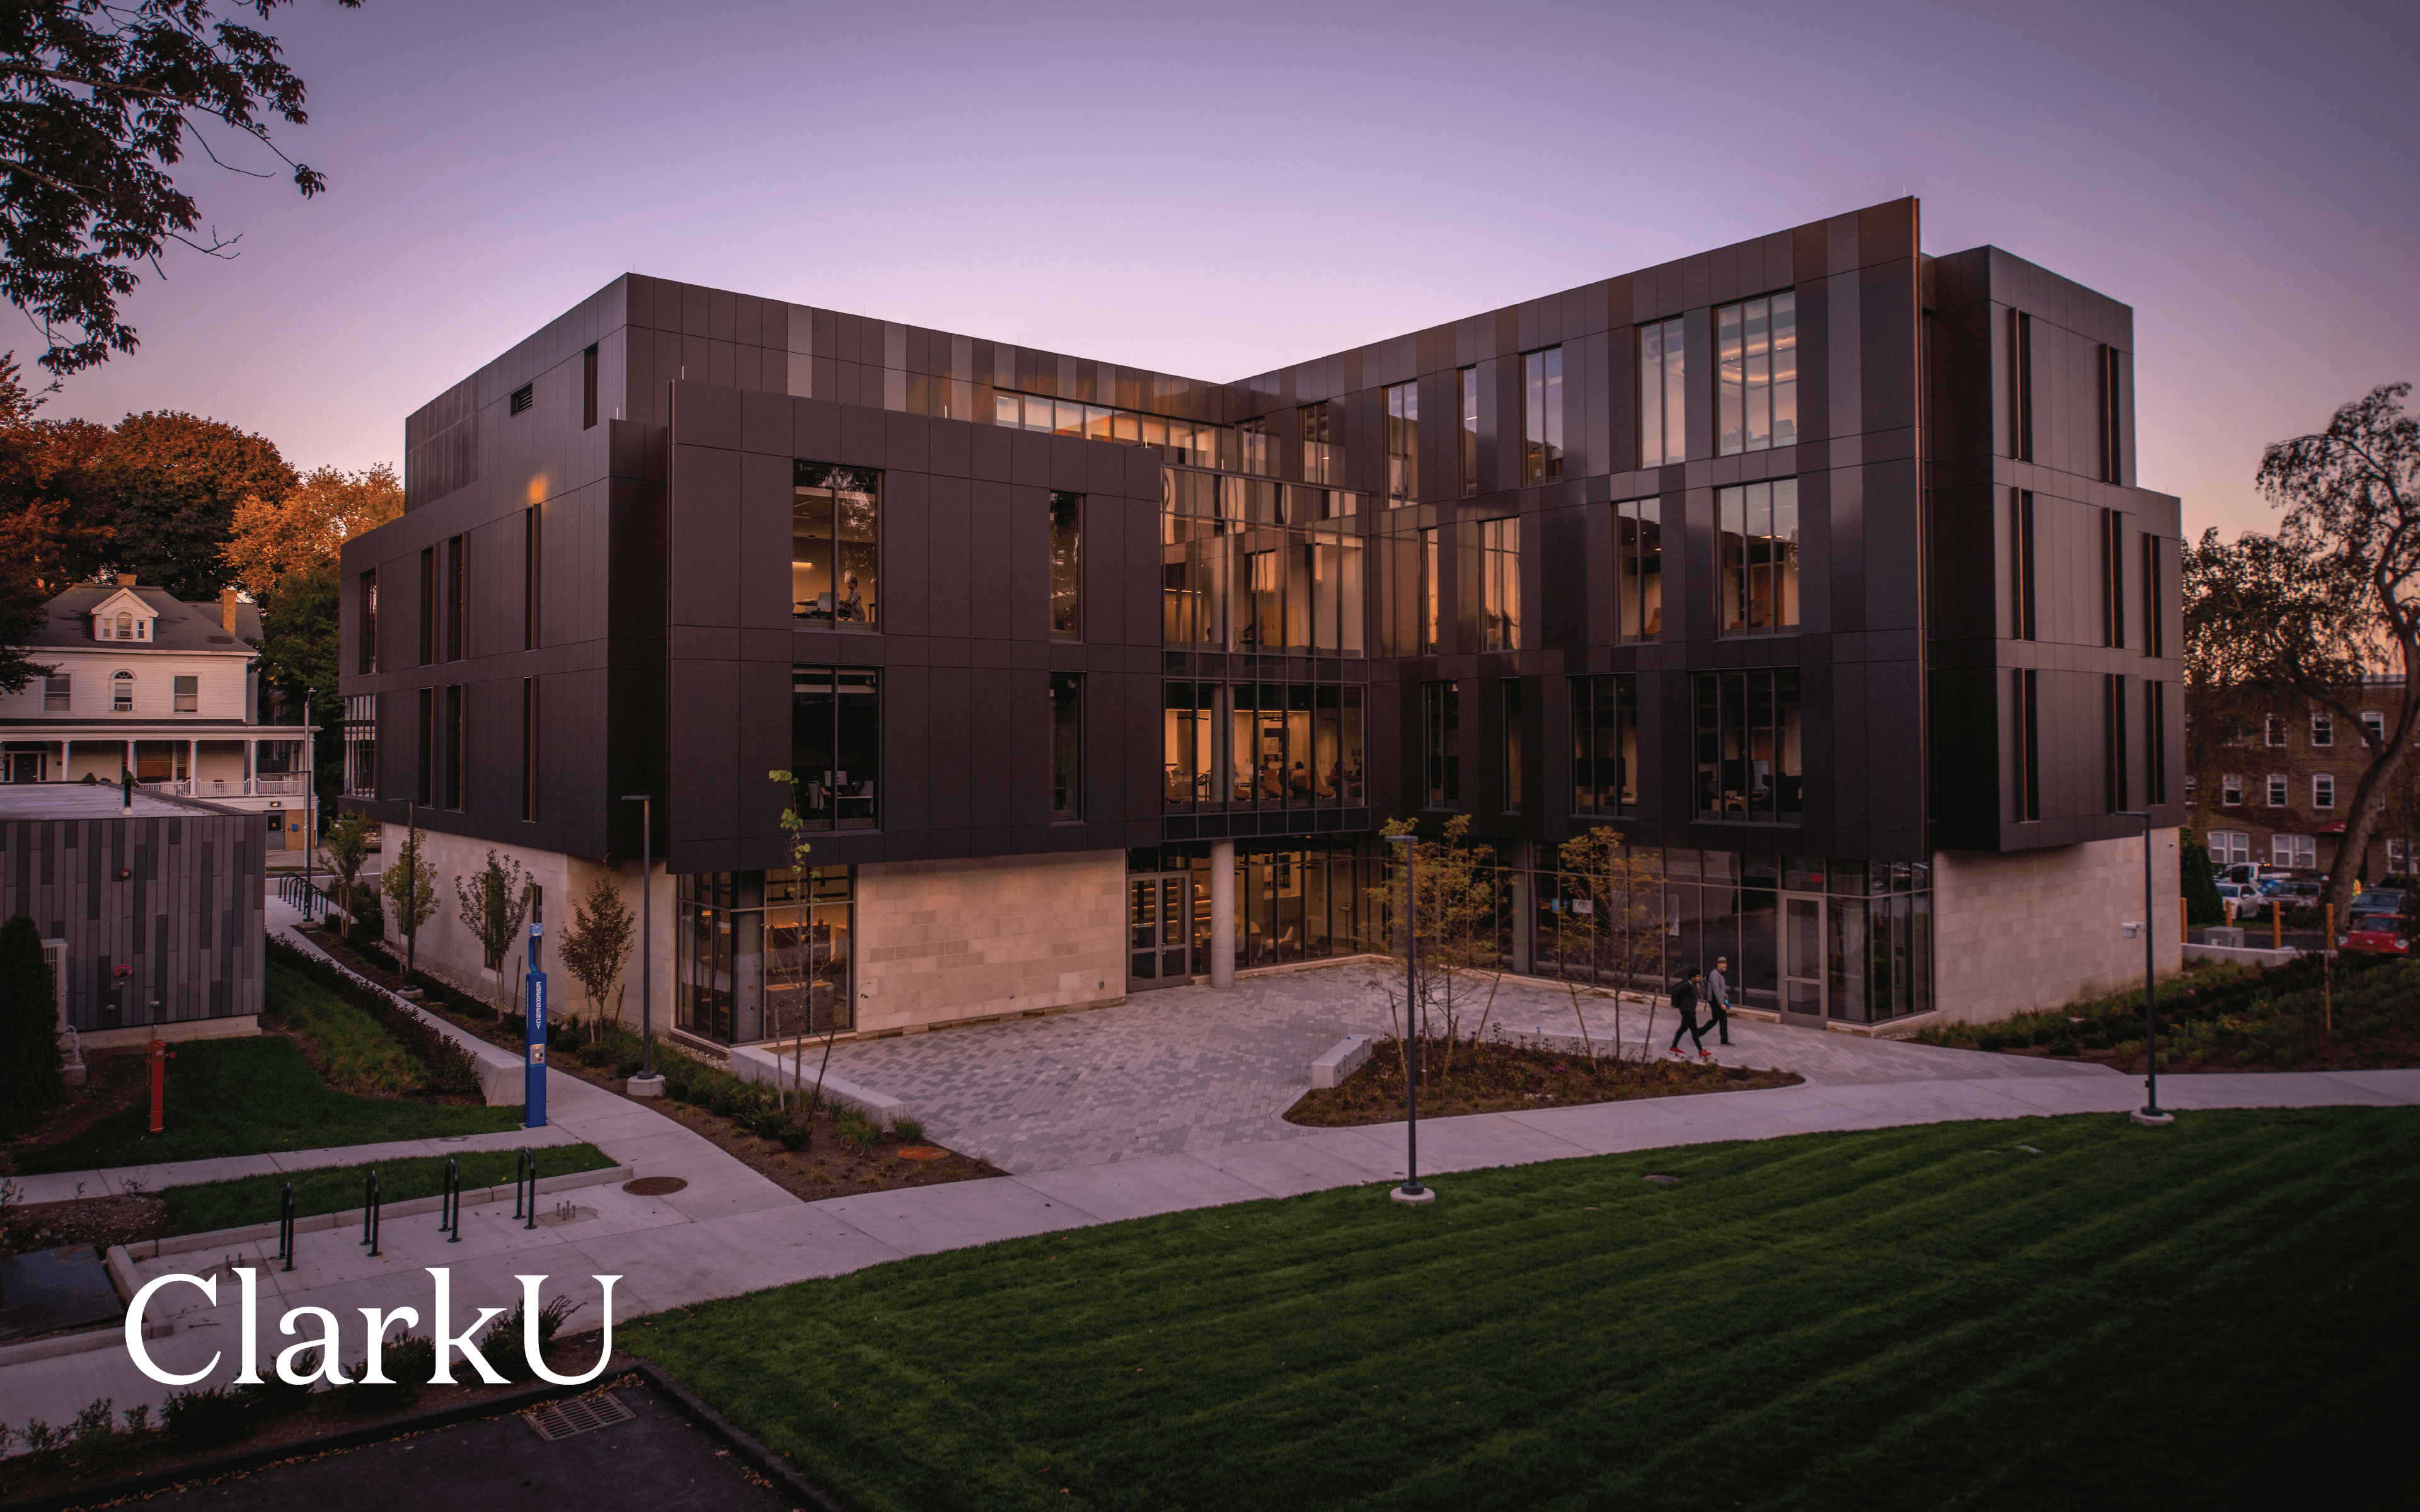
(449, 1204)
(304, 896)
(277, 785)
(286, 1228)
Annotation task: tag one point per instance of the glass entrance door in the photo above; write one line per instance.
(1801, 959)
(1159, 929)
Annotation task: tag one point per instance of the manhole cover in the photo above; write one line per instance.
(1665, 1181)
(654, 1186)
(561, 1420)
(924, 1152)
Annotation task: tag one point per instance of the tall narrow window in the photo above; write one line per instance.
(2231, 790)
(58, 693)
(836, 745)
(2028, 753)
(2154, 642)
(2324, 727)
(1756, 353)
(2114, 748)
(588, 389)
(1188, 744)
(2113, 433)
(1441, 716)
(2373, 725)
(1663, 403)
(1067, 565)
(427, 605)
(1541, 416)
(1257, 455)
(2021, 385)
(361, 745)
(835, 546)
(529, 747)
(2155, 742)
(2113, 578)
(1756, 558)
(425, 781)
(1510, 750)
(121, 693)
(2273, 728)
(456, 601)
(1318, 448)
(1066, 747)
(1748, 746)
(1403, 443)
(368, 624)
(1638, 569)
(2276, 786)
(1467, 428)
(457, 749)
(532, 573)
(188, 694)
(2020, 560)
(1605, 745)
(2323, 789)
(1432, 565)
(1499, 555)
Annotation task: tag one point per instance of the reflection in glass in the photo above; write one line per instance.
(1639, 562)
(1403, 443)
(1541, 416)
(1756, 550)
(755, 960)
(1467, 428)
(1605, 745)
(1067, 565)
(835, 544)
(1756, 347)
(1663, 404)
(1747, 744)
(835, 745)
(1499, 557)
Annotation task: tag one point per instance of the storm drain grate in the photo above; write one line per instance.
(561, 1420)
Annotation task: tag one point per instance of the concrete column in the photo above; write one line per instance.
(1222, 913)
(1521, 856)
(193, 768)
(251, 767)
(129, 755)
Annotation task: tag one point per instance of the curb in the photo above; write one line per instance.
(759, 1457)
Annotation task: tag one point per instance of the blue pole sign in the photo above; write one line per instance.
(534, 1063)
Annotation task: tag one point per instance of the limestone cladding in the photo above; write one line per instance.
(938, 941)
(2040, 929)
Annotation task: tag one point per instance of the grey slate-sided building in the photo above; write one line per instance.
(1814, 565)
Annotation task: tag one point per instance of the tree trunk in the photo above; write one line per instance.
(2368, 795)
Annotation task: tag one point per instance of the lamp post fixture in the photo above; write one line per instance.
(647, 1084)
(1411, 1191)
(2150, 1113)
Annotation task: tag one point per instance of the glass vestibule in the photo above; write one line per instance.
(760, 956)
(1295, 899)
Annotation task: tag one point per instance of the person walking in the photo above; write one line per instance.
(1718, 999)
(1684, 1002)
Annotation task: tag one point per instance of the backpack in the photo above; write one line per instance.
(1683, 995)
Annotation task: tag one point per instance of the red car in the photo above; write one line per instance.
(2378, 934)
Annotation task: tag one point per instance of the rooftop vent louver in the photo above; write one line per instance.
(523, 397)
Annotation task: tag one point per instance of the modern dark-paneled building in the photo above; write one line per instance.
(1814, 565)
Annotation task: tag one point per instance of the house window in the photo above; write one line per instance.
(2277, 797)
(1066, 747)
(1441, 718)
(1748, 746)
(2231, 790)
(361, 745)
(1318, 444)
(56, 692)
(836, 744)
(1499, 555)
(1638, 569)
(1432, 564)
(368, 662)
(1663, 403)
(1756, 556)
(1467, 428)
(1403, 443)
(1755, 354)
(1067, 565)
(458, 748)
(1541, 416)
(2020, 560)
(2229, 846)
(2324, 727)
(2274, 729)
(2297, 851)
(2373, 725)
(1605, 745)
(188, 694)
(1510, 752)
(2026, 718)
(121, 693)
(2323, 789)
(835, 544)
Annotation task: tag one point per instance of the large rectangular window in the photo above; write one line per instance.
(1749, 765)
(1067, 565)
(368, 624)
(835, 546)
(1605, 745)
(1500, 557)
(1256, 448)
(458, 603)
(1318, 444)
(1403, 443)
(1189, 745)
(1541, 416)
(2155, 742)
(1441, 720)
(1467, 428)
(361, 745)
(529, 749)
(2021, 564)
(836, 745)
(758, 956)
(425, 783)
(1431, 568)
(1663, 395)
(1638, 569)
(1511, 749)
(1755, 555)
(1066, 747)
(1296, 745)
(1756, 345)
(458, 746)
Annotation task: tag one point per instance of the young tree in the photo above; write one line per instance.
(1609, 890)
(796, 961)
(2335, 594)
(411, 894)
(99, 100)
(346, 848)
(491, 905)
(29, 1040)
(1454, 891)
(597, 946)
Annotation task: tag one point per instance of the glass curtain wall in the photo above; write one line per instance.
(1295, 899)
(1236, 577)
(760, 955)
(1663, 395)
(1262, 746)
(1403, 443)
(1604, 744)
(1756, 358)
(1756, 552)
(1749, 765)
(1638, 569)
(835, 546)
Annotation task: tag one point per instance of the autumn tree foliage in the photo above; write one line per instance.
(273, 537)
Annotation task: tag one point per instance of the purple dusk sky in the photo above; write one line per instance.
(1216, 190)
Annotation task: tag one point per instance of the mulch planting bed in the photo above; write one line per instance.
(114, 1080)
(1501, 1077)
(121, 1219)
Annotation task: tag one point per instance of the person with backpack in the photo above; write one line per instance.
(1718, 1000)
(1684, 1002)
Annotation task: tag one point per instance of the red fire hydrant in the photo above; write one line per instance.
(161, 1056)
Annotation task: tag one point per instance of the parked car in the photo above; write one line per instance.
(2378, 934)
(2298, 892)
(2239, 897)
(2376, 901)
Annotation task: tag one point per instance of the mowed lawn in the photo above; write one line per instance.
(2217, 1314)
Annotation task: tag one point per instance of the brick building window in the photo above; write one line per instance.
(2231, 790)
(2323, 789)
(2324, 727)
(2277, 796)
(2229, 846)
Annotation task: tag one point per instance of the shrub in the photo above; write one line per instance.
(597, 1053)
(502, 1342)
(908, 1131)
(855, 1128)
(796, 1136)
(208, 1415)
(451, 1069)
(29, 1044)
(407, 1363)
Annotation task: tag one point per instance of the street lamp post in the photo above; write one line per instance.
(411, 897)
(2150, 1113)
(1411, 1191)
(310, 792)
(647, 1084)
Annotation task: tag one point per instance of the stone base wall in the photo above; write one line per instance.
(2040, 929)
(941, 941)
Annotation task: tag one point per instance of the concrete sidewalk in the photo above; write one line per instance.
(117, 1178)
